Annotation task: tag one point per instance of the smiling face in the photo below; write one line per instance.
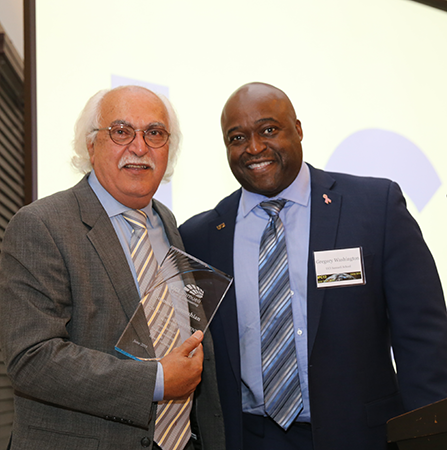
(130, 173)
(263, 139)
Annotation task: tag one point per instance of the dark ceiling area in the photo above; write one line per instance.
(440, 4)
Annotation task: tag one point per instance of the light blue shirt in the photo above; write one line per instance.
(123, 229)
(250, 223)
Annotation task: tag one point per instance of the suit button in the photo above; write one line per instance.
(145, 442)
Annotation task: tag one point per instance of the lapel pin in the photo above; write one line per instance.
(327, 200)
(222, 225)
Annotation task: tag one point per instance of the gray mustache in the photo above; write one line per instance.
(138, 161)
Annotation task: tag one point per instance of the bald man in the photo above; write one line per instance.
(303, 342)
(68, 288)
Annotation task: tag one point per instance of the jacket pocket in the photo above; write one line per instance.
(42, 438)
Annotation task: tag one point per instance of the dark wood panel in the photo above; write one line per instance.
(6, 418)
(12, 161)
(12, 182)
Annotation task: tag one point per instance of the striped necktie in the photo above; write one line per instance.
(282, 391)
(172, 425)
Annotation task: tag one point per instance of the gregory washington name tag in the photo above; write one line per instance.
(342, 267)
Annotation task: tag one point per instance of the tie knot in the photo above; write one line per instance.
(273, 207)
(136, 218)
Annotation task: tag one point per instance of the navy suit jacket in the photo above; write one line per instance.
(353, 386)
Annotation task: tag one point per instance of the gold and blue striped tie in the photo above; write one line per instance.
(172, 425)
(282, 391)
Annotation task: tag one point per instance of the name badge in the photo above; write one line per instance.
(342, 267)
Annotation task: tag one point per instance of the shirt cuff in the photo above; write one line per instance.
(159, 390)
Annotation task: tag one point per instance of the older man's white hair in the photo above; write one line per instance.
(89, 120)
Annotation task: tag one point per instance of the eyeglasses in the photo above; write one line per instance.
(125, 134)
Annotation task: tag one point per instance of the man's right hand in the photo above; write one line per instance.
(182, 373)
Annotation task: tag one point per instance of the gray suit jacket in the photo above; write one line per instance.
(66, 295)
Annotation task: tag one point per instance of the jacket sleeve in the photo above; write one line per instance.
(59, 322)
(416, 307)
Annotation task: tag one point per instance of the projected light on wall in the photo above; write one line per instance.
(383, 153)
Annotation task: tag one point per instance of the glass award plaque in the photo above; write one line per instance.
(195, 290)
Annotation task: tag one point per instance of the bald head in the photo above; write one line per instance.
(257, 90)
(263, 138)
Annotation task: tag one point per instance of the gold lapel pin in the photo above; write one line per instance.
(327, 200)
(222, 225)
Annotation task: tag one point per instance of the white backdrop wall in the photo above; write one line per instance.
(367, 80)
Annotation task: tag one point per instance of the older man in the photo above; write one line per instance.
(300, 364)
(69, 285)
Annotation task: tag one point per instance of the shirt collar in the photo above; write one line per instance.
(298, 192)
(112, 206)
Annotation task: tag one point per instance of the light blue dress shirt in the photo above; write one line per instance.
(250, 223)
(123, 229)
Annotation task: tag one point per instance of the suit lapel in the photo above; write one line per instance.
(104, 239)
(169, 224)
(221, 242)
(106, 243)
(323, 233)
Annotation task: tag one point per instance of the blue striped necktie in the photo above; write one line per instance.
(282, 391)
(172, 426)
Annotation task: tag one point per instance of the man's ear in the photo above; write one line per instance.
(91, 151)
(299, 129)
